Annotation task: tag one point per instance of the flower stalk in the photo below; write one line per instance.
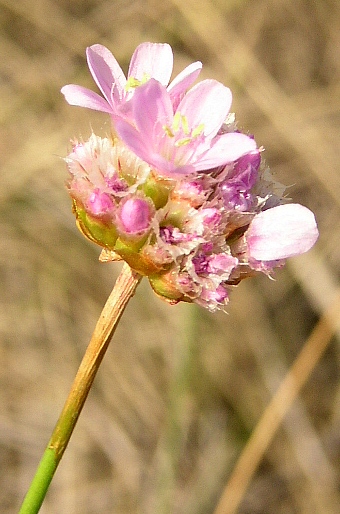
(123, 290)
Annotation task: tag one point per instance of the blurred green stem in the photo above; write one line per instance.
(123, 290)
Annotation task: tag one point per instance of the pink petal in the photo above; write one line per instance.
(105, 71)
(83, 97)
(152, 110)
(143, 148)
(281, 232)
(224, 149)
(182, 82)
(154, 60)
(133, 139)
(207, 103)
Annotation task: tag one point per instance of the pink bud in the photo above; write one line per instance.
(135, 215)
(99, 203)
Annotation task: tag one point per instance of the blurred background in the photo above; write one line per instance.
(180, 390)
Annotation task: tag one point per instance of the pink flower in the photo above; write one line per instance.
(186, 141)
(281, 232)
(178, 192)
(149, 60)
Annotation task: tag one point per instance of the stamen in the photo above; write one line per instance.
(168, 131)
(132, 82)
(176, 121)
(198, 130)
(183, 142)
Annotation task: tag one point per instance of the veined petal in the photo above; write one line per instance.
(167, 168)
(224, 149)
(106, 71)
(154, 60)
(83, 97)
(207, 103)
(132, 138)
(152, 110)
(144, 149)
(182, 82)
(281, 232)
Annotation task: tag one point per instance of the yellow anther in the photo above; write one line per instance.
(132, 82)
(185, 125)
(168, 131)
(198, 130)
(183, 142)
(180, 122)
(176, 121)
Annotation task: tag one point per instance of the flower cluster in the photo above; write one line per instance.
(177, 191)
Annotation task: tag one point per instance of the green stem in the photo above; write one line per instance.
(123, 290)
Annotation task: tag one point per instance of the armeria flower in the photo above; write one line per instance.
(187, 140)
(150, 60)
(179, 193)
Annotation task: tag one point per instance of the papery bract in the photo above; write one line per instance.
(238, 183)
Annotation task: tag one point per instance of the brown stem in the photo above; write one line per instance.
(123, 290)
(272, 417)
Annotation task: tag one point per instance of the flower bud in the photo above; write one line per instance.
(164, 287)
(133, 217)
(95, 229)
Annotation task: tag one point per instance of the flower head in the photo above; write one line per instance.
(179, 194)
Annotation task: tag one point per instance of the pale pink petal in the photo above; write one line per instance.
(152, 110)
(224, 149)
(154, 60)
(106, 71)
(182, 82)
(207, 103)
(133, 139)
(83, 97)
(144, 149)
(281, 232)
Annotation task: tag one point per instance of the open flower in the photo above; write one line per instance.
(149, 60)
(187, 140)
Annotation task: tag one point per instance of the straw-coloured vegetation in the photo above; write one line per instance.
(180, 390)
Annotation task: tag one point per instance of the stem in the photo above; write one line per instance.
(273, 415)
(123, 290)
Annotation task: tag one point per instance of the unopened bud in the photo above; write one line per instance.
(134, 216)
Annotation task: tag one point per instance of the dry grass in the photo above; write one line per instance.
(179, 391)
